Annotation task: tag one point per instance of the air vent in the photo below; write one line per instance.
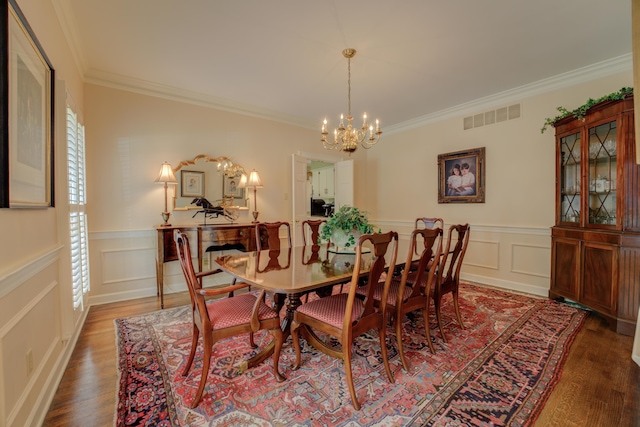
(493, 116)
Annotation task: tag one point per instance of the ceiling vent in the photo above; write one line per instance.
(493, 116)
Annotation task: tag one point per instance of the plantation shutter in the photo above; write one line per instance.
(77, 202)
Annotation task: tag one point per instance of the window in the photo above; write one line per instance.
(77, 216)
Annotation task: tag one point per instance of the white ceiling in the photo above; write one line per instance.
(283, 57)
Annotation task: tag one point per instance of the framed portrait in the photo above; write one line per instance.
(231, 187)
(461, 176)
(191, 183)
(26, 112)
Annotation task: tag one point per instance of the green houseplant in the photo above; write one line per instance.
(345, 227)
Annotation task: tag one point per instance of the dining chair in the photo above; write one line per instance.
(345, 316)
(448, 280)
(412, 290)
(223, 317)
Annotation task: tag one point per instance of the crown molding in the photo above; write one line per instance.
(144, 87)
(591, 72)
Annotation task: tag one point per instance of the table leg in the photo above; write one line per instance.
(293, 302)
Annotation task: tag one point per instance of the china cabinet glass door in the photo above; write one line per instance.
(602, 174)
(570, 178)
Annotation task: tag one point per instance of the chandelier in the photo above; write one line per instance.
(347, 138)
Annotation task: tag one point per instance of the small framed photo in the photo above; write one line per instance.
(191, 183)
(231, 187)
(461, 176)
(26, 95)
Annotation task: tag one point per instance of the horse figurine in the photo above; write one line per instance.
(211, 211)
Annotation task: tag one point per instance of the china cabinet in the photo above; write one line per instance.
(596, 236)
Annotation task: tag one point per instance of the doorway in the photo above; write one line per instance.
(319, 193)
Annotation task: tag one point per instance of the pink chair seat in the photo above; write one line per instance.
(393, 291)
(229, 312)
(331, 309)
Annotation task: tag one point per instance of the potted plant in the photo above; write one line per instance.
(345, 227)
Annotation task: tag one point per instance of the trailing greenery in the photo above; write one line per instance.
(581, 111)
(347, 218)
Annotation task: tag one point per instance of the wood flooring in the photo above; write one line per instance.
(600, 384)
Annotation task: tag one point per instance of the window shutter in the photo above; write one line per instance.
(77, 217)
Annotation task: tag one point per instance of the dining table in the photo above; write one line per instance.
(295, 271)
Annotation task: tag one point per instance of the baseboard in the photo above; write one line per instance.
(39, 411)
(124, 296)
(505, 284)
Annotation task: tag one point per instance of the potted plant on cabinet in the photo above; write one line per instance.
(345, 227)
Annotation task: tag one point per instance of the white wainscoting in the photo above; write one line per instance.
(31, 323)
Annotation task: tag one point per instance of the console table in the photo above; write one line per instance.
(210, 237)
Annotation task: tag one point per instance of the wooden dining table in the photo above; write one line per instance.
(294, 272)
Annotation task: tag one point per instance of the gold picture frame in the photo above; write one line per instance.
(461, 176)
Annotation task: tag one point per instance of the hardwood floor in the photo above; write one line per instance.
(600, 385)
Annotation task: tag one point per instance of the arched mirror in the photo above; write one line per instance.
(216, 179)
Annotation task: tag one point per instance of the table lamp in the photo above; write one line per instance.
(254, 182)
(166, 176)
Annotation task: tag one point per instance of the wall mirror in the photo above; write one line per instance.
(217, 179)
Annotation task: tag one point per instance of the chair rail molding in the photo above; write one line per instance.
(21, 274)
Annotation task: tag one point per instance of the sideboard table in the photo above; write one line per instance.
(210, 237)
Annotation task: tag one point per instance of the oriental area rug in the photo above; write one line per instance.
(498, 371)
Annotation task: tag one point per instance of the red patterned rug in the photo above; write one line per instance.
(498, 371)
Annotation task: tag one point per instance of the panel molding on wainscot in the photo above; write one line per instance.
(116, 268)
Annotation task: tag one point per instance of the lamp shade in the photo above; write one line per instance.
(166, 174)
(254, 180)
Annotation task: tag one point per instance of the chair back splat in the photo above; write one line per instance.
(311, 231)
(346, 316)
(222, 317)
(448, 280)
(268, 235)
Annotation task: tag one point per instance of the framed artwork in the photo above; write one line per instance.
(26, 113)
(191, 183)
(461, 176)
(231, 187)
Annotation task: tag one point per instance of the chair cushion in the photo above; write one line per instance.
(393, 291)
(331, 310)
(228, 312)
